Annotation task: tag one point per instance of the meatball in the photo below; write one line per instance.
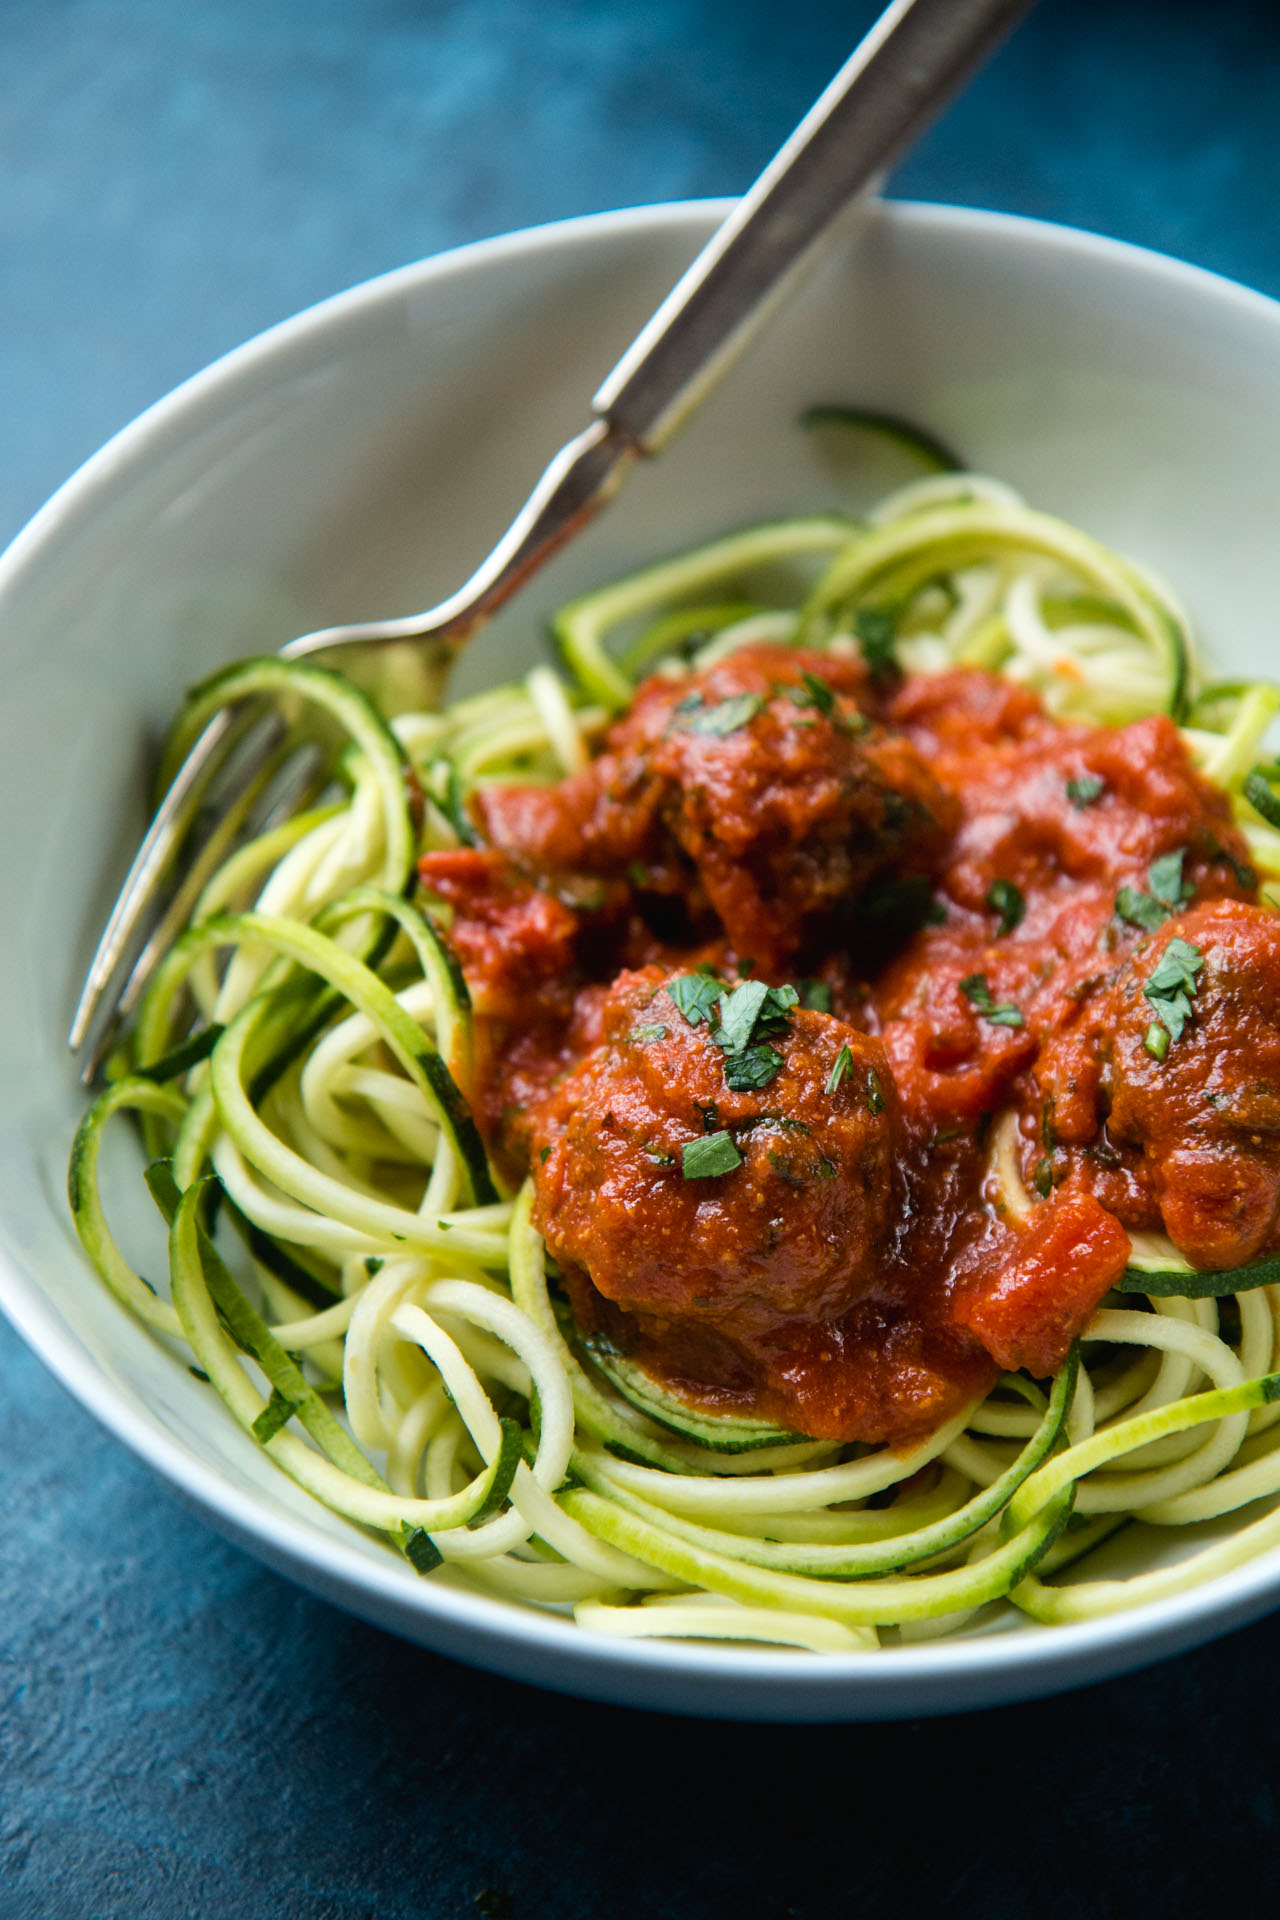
(688, 1196)
(1205, 1108)
(756, 787)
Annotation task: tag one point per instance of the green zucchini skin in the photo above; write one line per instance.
(1262, 797)
(1193, 1284)
(935, 455)
(716, 568)
(720, 1433)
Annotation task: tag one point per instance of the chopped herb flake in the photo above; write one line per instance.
(752, 1069)
(1164, 877)
(695, 994)
(877, 630)
(1141, 910)
(753, 1011)
(977, 991)
(1156, 1040)
(642, 1035)
(739, 1009)
(544, 1155)
(1085, 789)
(814, 693)
(1008, 902)
(1172, 987)
(727, 716)
(875, 1092)
(709, 1157)
(842, 1068)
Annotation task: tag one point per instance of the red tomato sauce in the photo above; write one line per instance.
(784, 1204)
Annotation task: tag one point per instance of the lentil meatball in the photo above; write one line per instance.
(756, 787)
(793, 1226)
(1207, 1115)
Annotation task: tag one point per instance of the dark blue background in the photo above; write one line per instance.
(182, 1733)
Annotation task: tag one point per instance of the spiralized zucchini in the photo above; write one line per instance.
(376, 1313)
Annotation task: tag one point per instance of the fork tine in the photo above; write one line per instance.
(125, 958)
(254, 778)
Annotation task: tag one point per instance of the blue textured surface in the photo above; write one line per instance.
(181, 1733)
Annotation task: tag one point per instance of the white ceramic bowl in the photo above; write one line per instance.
(355, 462)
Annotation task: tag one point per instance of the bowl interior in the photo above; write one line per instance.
(356, 463)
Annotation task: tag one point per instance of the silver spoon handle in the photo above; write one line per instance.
(918, 54)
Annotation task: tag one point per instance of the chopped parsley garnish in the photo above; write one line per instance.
(752, 1011)
(977, 991)
(727, 716)
(1008, 902)
(875, 1092)
(815, 996)
(1164, 877)
(1168, 891)
(705, 1159)
(877, 631)
(752, 1069)
(1156, 1040)
(695, 994)
(1170, 991)
(1085, 789)
(842, 1068)
(544, 1155)
(815, 693)
(739, 1008)
(1141, 909)
(740, 1020)
(642, 1035)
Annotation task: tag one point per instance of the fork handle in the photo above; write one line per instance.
(915, 57)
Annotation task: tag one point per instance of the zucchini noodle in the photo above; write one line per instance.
(375, 1311)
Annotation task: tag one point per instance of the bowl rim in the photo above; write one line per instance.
(511, 1636)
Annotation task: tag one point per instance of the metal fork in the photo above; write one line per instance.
(915, 57)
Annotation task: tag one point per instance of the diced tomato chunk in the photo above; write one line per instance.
(1031, 1311)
